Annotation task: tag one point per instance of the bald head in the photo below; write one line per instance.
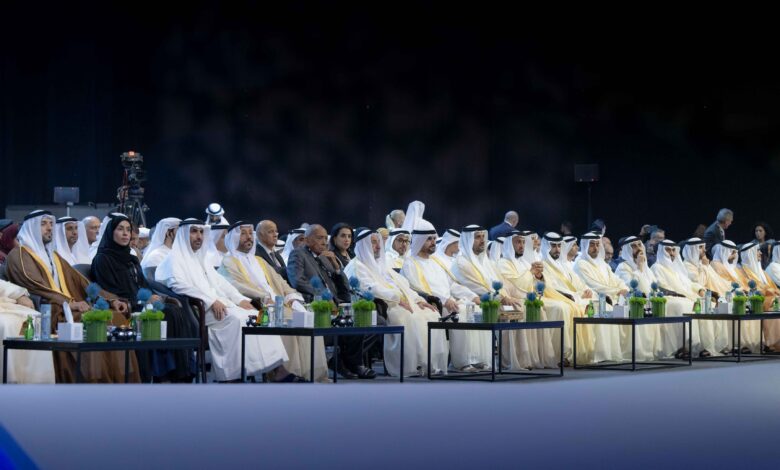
(316, 238)
(511, 218)
(267, 233)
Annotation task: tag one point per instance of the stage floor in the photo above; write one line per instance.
(712, 415)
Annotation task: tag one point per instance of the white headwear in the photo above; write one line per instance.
(79, 254)
(247, 260)
(508, 251)
(548, 240)
(31, 237)
(388, 248)
(647, 276)
(494, 249)
(143, 232)
(583, 254)
(530, 255)
(749, 257)
(662, 259)
(187, 265)
(448, 238)
(364, 252)
(213, 210)
(213, 255)
(690, 251)
(419, 228)
(289, 244)
(160, 230)
(481, 261)
(721, 253)
(568, 242)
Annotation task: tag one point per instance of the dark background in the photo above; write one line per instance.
(321, 113)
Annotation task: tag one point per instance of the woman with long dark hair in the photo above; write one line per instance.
(118, 270)
(341, 242)
(764, 236)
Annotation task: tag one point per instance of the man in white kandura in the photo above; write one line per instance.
(161, 244)
(255, 278)
(404, 307)
(185, 271)
(469, 350)
(598, 276)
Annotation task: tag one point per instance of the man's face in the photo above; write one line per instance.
(143, 243)
(134, 238)
(671, 252)
(733, 256)
(575, 248)
(376, 245)
(658, 236)
(479, 243)
(727, 223)
(317, 241)
(593, 248)
(452, 249)
(518, 243)
(636, 247)
(609, 252)
(93, 227)
(401, 243)
(215, 219)
(343, 239)
(196, 238)
(537, 242)
(71, 233)
(247, 240)
(429, 247)
(46, 229)
(398, 219)
(268, 233)
(702, 252)
(555, 250)
(301, 240)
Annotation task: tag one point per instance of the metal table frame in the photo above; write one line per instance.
(79, 347)
(493, 328)
(633, 323)
(314, 332)
(736, 330)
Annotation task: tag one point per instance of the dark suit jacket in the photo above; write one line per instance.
(281, 270)
(712, 237)
(302, 266)
(501, 230)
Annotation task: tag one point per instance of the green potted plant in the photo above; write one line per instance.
(322, 306)
(738, 303)
(756, 299)
(657, 301)
(490, 304)
(96, 320)
(151, 319)
(362, 303)
(636, 301)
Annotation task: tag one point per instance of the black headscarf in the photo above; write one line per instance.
(115, 267)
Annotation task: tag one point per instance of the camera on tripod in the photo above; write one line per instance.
(131, 194)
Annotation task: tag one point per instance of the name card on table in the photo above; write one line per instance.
(70, 331)
(163, 330)
(373, 318)
(619, 311)
(303, 319)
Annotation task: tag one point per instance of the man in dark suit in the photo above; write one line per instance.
(267, 235)
(716, 232)
(504, 228)
(314, 260)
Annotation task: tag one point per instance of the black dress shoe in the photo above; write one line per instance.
(705, 353)
(364, 372)
(746, 350)
(343, 371)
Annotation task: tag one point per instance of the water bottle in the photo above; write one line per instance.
(45, 320)
(708, 301)
(602, 305)
(589, 310)
(279, 311)
(697, 306)
(776, 305)
(29, 330)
